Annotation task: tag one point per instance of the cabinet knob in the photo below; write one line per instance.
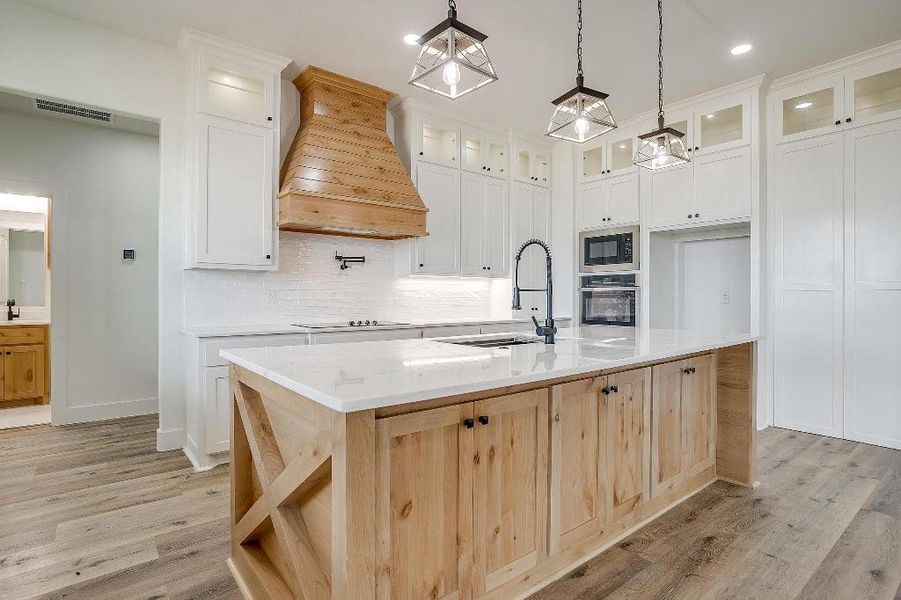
(687, 371)
(483, 419)
(614, 389)
(484, 167)
(421, 265)
(605, 391)
(697, 215)
(420, 154)
(268, 118)
(838, 122)
(489, 168)
(848, 120)
(489, 268)
(469, 423)
(268, 256)
(696, 148)
(689, 216)
(688, 149)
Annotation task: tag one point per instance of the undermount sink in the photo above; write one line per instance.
(495, 342)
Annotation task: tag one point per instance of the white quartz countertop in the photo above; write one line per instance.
(362, 375)
(274, 329)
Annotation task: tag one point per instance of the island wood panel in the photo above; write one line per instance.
(736, 414)
(578, 455)
(510, 487)
(628, 441)
(424, 504)
(667, 450)
(699, 414)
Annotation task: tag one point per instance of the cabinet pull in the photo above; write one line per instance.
(689, 216)
(421, 265)
(469, 423)
(268, 118)
(697, 215)
(605, 391)
(483, 419)
(421, 154)
(614, 389)
(687, 371)
(838, 122)
(268, 256)
(696, 148)
(848, 120)
(484, 167)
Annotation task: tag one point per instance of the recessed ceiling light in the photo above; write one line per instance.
(741, 49)
(622, 145)
(411, 39)
(804, 105)
(710, 116)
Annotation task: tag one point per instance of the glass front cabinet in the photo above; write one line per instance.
(437, 141)
(610, 155)
(232, 90)
(532, 164)
(484, 153)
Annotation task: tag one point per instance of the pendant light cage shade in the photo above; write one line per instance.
(581, 114)
(662, 148)
(452, 61)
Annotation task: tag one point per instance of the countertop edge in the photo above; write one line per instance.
(466, 388)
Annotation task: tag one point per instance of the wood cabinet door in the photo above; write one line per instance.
(578, 459)
(23, 372)
(424, 504)
(667, 437)
(699, 414)
(510, 487)
(628, 441)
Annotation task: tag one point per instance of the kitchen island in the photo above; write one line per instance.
(428, 469)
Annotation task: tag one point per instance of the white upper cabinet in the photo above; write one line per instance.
(233, 90)
(532, 164)
(861, 95)
(591, 209)
(438, 253)
(671, 191)
(609, 155)
(722, 124)
(437, 141)
(722, 186)
(483, 247)
(531, 220)
(232, 116)
(235, 166)
(484, 153)
(609, 202)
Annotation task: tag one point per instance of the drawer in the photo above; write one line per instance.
(24, 334)
(338, 337)
(210, 348)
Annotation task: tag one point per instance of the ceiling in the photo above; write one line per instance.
(530, 42)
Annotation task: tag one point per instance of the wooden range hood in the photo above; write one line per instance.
(342, 175)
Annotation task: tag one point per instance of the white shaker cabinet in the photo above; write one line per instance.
(438, 253)
(531, 220)
(233, 95)
(722, 185)
(234, 224)
(609, 202)
(808, 252)
(483, 247)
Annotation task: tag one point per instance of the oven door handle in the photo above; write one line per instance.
(609, 289)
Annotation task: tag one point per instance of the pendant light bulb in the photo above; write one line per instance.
(451, 76)
(581, 126)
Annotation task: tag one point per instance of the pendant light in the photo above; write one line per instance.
(581, 113)
(452, 61)
(664, 146)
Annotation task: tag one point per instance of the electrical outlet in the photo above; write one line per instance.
(725, 297)
(270, 297)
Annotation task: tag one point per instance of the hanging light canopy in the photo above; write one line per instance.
(664, 146)
(582, 112)
(452, 61)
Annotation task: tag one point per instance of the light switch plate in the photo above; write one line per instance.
(128, 254)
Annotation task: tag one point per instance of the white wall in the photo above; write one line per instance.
(45, 54)
(105, 311)
(711, 269)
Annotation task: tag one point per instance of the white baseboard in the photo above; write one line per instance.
(170, 439)
(66, 415)
(202, 461)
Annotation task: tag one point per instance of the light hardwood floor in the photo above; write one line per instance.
(94, 512)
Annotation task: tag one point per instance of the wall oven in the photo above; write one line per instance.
(609, 300)
(604, 250)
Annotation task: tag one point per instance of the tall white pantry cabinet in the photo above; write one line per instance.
(834, 165)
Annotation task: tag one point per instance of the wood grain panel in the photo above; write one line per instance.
(736, 414)
(578, 472)
(335, 216)
(510, 487)
(667, 431)
(699, 414)
(23, 372)
(424, 504)
(628, 442)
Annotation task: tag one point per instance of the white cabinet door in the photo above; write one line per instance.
(722, 185)
(622, 199)
(217, 404)
(592, 209)
(873, 91)
(808, 340)
(722, 124)
(541, 229)
(237, 91)
(808, 109)
(437, 140)
(439, 188)
(872, 410)
(472, 224)
(498, 251)
(234, 224)
(541, 167)
(671, 195)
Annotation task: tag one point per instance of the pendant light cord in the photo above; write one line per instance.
(451, 4)
(579, 45)
(659, 62)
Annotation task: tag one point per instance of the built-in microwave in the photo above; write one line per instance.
(609, 299)
(613, 249)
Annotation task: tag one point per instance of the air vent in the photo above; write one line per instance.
(71, 110)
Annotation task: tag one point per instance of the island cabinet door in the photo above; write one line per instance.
(667, 435)
(424, 504)
(628, 442)
(699, 413)
(578, 465)
(509, 487)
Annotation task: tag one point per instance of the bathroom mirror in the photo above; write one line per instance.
(23, 259)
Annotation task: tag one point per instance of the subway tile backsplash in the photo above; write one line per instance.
(309, 286)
